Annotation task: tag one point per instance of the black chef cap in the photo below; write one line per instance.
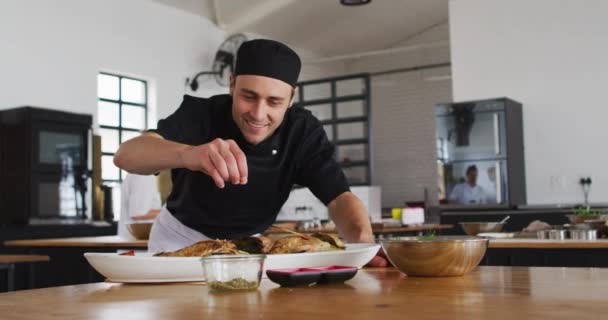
(268, 58)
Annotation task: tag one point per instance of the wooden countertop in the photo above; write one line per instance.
(21, 258)
(105, 241)
(486, 293)
(548, 244)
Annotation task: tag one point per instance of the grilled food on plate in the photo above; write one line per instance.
(333, 239)
(296, 244)
(203, 248)
(256, 245)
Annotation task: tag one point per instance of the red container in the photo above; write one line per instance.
(305, 276)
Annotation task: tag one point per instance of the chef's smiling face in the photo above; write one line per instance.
(259, 105)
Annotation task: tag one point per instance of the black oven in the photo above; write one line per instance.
(44, 164)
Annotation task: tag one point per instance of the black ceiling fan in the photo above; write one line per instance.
(223, 63)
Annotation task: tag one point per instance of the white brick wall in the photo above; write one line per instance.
(403, 134)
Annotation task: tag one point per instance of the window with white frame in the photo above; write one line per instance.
(122, 114)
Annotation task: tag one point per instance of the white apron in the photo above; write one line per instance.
(169, 234)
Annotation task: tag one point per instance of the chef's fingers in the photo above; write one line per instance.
(218, 162)
(378, 262)
(219, 182)
(231, 164)
(209, 168)
(241, 161)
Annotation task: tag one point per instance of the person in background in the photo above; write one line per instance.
(140, 201)
(468, 192)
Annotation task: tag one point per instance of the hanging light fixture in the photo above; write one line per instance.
(354, 2)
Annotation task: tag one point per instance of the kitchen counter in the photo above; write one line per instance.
(519, 220)
(93, 242)
(22, 258)
(53, 229)
(67, 265)
(117, 242)
(548, 244)
(8, 262)
(549, 253)
(486, 293)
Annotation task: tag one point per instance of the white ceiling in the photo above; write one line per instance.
(323, 27)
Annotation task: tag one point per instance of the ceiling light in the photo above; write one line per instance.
(354, 2)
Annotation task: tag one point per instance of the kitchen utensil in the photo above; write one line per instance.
(305, 276)
(474, 228)
(233, 272)
(435, 256)
(555, 234)
(542, 234)
(578, 219)
(582, 234)
(505, 219)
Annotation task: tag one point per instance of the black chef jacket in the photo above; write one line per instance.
(297, 152)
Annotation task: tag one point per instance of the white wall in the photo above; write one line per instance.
(51, 51)
(551, 56)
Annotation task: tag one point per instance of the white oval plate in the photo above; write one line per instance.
(144, 267)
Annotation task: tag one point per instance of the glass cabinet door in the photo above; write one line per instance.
(471, 152)
(470, 131)
(53, 144)
(490, 185)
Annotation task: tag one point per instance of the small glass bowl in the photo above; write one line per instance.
(233, 272)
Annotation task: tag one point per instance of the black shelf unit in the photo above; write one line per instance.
(30, 169)
(503, 118)
(331, 104)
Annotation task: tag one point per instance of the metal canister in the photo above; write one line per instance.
(555, 234)
(583, 234)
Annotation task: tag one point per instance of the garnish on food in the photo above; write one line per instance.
(234, 284)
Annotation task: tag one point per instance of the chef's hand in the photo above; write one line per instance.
(379, 261)
(222, 160)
